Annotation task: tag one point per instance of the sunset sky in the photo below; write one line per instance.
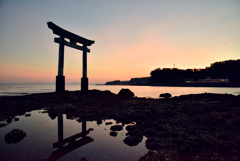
(132, 37)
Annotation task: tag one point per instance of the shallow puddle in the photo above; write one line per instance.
(48, 139)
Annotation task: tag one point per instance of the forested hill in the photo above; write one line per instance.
(229, 69)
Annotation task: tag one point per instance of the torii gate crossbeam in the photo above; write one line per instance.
(74, 39)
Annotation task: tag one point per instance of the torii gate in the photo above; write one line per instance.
(60, 79)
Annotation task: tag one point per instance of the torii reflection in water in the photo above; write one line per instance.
(72, 143)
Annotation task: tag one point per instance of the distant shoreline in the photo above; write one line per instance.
(180, 85)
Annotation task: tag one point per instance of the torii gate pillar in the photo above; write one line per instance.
(84, 80)
(60, 79)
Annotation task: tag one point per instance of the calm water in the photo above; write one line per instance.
(139, 91)
(42, 133)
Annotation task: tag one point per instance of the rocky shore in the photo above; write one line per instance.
(190, 127)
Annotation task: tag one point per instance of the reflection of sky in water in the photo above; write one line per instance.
(42, 132)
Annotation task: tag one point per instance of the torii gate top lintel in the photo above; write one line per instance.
(73, 37)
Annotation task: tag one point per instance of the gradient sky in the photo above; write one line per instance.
(132, 37)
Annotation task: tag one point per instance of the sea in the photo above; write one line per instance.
(139, 91)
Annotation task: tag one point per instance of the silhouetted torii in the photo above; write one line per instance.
(72, 142)
(74, 39)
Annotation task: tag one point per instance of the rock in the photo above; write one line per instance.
(133, 140)
(165, 95)
(90, 129)
(28, 115)
(2, 124)
(131, 127)
(116, 128)
(99, 122)
(52, 113)
(9, 119)
(16, 119)
(113, 133)
(126, 93)
(152, 144)
(14, 136)
(108, 123)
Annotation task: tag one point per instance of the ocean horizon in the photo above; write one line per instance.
(18, 89)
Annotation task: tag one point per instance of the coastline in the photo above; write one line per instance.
(178, 128)
(181, 85)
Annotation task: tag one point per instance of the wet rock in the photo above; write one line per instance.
(126, 93)
(165, 95)
(90, 129)
(116, 128)
(28, 115)
(152, 144)
(133, 140)
(16, 119)
(99, 122)
(113, 133)
(14, 136)
(131, 128)
(9, 119)
(108, 123)
(52, 113)
(2, 124)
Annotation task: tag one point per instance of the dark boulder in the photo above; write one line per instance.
(52, 113)
(16, 119)
(153, 144)
(108, 123)
(131, 128)
(133, 140)
(165, 95)
(14, 136)
(116, 128)
(113, 133)
(99, 122)
(9, 119)
(2, 124)
(27, 115)
(126, 93)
